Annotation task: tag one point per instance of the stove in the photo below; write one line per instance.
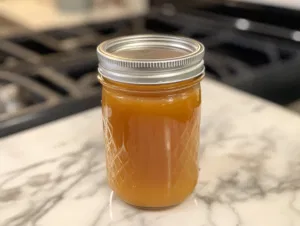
(47, 75)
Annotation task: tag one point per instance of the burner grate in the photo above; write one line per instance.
(7, 60)
(34, 46)
(38, 78)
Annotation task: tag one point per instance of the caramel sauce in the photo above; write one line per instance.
(152, 140)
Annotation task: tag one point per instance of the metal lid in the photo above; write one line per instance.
(150, 59)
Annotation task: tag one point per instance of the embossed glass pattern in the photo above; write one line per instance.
(152, 134)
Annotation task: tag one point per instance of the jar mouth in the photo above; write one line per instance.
(149, 88)
(150, 59)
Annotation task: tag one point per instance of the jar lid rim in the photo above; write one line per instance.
(150, 59)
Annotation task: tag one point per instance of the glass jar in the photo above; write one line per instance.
(151, 101)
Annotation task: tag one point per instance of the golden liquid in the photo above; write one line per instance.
(152, 141)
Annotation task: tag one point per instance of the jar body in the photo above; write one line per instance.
(152, 142)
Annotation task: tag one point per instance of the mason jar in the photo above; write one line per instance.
(151, 100)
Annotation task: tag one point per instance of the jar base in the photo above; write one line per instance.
(153, 207)
(154, 203)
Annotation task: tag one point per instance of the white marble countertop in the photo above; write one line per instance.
(54, 175)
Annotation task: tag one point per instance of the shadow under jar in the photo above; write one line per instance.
(151, 116)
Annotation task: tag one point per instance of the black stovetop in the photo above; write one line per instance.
(54, 72)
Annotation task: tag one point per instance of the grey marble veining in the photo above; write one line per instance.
(249, 171)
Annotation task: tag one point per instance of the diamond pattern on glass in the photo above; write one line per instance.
(117, 158)
(189, 141)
